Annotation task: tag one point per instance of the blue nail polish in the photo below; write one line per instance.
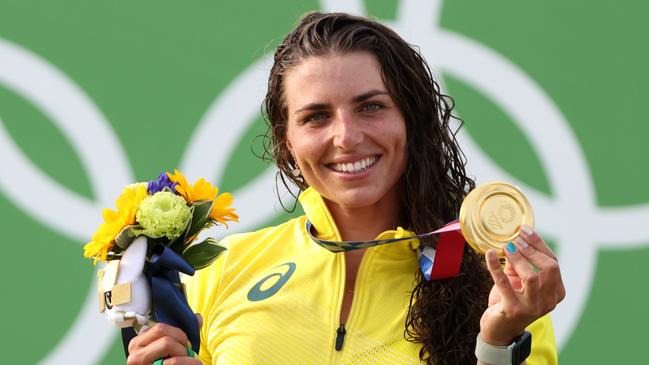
(510, 247)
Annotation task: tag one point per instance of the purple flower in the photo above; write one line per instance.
(159, 185)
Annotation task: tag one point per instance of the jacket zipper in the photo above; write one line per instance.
(340, 337)
(340, 263)
(341, 331)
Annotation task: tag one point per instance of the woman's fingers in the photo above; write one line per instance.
(536, 257)
(160, 330)
(549, 273)
(500, 278)
(531, 262)
(532, 238)
(511, 273)
(161, 348)
(530, 280)
(161, 341)
(544, 287)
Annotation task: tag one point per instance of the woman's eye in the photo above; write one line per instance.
(371, 107)
(315, 117)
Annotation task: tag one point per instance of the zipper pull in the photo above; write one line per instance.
(340, 337)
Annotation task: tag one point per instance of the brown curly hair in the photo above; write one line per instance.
(443, 315)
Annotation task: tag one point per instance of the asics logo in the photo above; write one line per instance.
(271, 284)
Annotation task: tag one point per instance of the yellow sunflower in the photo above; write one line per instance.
(114, 221)
(203, 190)
(221, 210)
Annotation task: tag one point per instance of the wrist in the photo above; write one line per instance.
(498, 340)
(513, 353)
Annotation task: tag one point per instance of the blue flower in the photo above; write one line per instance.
(160, 184)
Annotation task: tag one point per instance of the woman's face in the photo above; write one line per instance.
(345, 132)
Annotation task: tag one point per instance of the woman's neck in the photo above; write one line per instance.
(365, 223)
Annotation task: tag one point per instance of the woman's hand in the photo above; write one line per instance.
(161, 341)
(522, 293)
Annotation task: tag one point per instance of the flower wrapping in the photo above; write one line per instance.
(148, 241)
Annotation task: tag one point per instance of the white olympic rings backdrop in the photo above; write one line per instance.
(476, 65)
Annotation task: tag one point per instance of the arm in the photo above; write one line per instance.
(528, 288)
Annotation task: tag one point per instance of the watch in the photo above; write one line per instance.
(513, 354)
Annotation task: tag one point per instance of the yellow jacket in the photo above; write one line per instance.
(275, 298)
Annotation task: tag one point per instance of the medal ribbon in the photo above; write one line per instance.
(441, 263)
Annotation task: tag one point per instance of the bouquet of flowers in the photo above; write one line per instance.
(147, 241)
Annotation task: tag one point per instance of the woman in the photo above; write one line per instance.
(358, 123)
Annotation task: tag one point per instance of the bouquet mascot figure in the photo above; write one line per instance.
(147, 242)
(124, 291)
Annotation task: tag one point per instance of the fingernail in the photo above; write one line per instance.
(527, 230)
(190, 352)
(510, 247)
(521, 243)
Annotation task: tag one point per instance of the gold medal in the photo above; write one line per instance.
(492, 214)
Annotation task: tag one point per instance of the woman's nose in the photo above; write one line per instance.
(347, 132)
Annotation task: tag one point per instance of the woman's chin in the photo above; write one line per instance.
(362, 198)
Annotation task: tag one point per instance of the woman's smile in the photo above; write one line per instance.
(354, 167)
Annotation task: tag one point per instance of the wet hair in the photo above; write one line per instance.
(443, 315)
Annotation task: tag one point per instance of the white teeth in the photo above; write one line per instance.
(356, 167)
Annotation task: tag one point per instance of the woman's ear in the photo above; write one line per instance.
(290, 156)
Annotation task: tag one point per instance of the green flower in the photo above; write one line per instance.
(164, 214)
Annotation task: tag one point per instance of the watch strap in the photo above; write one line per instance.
(522, 348)
(513, 354)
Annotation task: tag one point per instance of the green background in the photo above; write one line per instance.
(154, 67)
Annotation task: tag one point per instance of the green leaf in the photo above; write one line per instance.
(127, 236)
(203, 254)
(200, 217)
(199, 220)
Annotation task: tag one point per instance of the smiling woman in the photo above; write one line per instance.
(347, 136)
(360, 126)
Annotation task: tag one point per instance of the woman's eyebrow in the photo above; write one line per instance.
(313, 106)
(356, 99)
(364, 96)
